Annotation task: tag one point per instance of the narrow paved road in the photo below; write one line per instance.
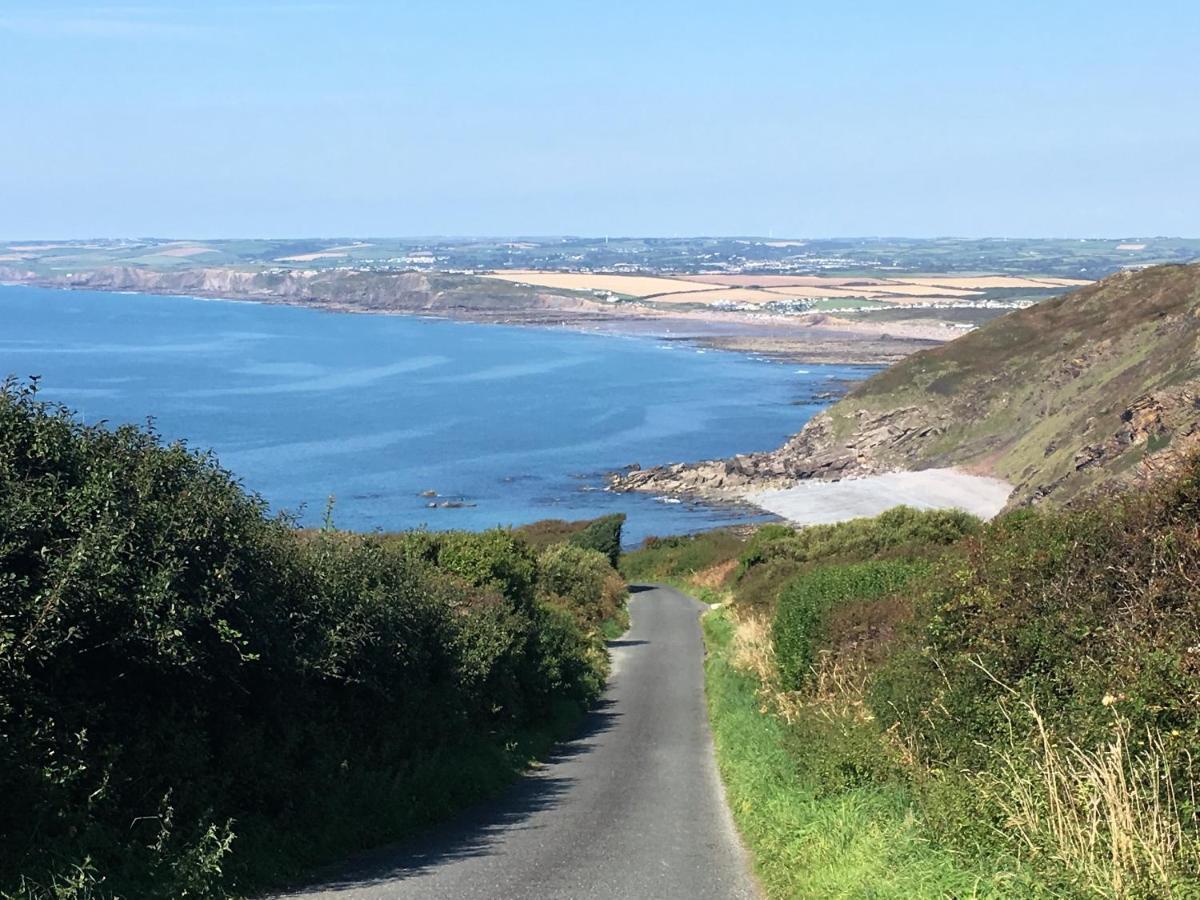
(632, 809)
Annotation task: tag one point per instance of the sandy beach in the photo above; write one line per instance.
(820, 502)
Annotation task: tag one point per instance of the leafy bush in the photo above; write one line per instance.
(1087, 614)
(679, 557)
(497, 559)
(777, 554)
(195, 698)
(801, 621)
(900, 532)
(583, 582)
(1050, 676)
(602, 535)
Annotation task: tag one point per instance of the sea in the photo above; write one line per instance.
(395, 422)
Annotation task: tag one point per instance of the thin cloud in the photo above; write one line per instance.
(101, 26)
(140, 22)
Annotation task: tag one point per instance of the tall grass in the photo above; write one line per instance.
(807, 841)
(1024, 702)
(1109, 813)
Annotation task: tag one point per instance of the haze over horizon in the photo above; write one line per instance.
(360, 119)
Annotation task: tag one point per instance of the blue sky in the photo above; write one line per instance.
(263, 118)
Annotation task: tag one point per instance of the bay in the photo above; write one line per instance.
(517, 424)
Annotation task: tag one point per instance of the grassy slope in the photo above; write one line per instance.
(1023, 394)
(861, 842)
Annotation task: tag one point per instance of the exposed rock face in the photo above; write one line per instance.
(816, 452)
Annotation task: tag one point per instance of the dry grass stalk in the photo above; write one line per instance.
(715, 576)
(840, 686)
(753, 649)
(1108, 814)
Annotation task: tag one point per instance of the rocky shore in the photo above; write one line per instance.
(818, 452)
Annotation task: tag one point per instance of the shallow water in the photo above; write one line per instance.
(521, 423)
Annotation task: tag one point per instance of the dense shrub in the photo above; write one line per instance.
(1048, 689)
(801, 623)
(1088, 614)
(583, 582)
(679, 557)
(777, 554)
(497, 559)
(602, 535)
(900, 532)
(195, 697)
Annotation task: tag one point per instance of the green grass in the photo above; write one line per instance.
(808, 842)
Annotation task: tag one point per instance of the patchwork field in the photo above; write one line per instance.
(711, 289)
(629, 285)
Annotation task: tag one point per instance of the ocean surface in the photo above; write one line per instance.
(519, 424)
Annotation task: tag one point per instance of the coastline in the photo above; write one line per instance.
(812, 339)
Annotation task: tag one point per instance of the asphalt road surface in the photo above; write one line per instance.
(630, 809)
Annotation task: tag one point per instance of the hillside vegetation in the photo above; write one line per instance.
(196, 698)
(923, 705)
(1098, 387)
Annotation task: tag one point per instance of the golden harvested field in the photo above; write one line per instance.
(769, 281)
(712, 288)
(987, 282)
(718, 294)
(826, 290)
(309, 257)
(630, 285)
(909, 289)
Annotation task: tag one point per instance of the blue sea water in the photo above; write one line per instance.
(522, 423)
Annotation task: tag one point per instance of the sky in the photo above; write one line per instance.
(262, 118)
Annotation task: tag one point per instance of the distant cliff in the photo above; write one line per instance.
(1098, 388)
(345, 290)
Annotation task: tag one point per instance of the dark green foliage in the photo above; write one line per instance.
(583, 582)
(678, 557)
(602, 535)
(777, 554)
(901, 531)
(496, 559)
(193, 697)
(1066, 609)
(801, 623)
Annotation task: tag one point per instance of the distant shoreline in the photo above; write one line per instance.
(748, 333)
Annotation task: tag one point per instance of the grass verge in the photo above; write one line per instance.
(807, 842)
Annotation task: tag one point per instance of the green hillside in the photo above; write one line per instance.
(1078, 390)
(1100, 386)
